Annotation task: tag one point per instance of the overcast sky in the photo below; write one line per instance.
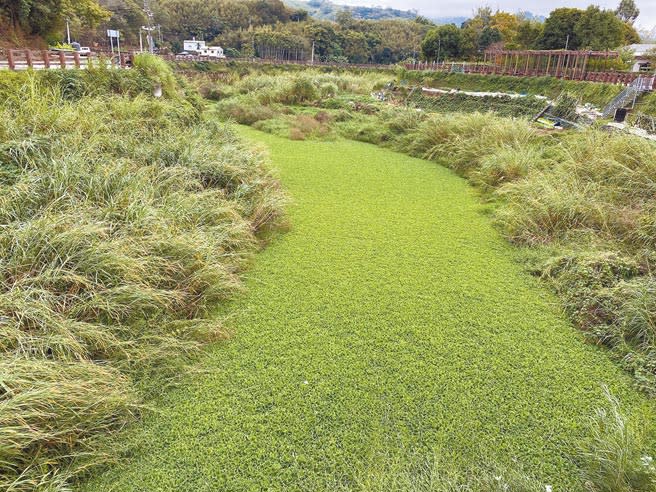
(454, 8)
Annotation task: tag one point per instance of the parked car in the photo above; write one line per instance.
(84, 51)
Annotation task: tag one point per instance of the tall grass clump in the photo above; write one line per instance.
(125, 220)
(463, 141)
(615, 457)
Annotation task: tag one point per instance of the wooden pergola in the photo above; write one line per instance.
(571, 64)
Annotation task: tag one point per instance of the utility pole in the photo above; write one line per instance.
(439, 47)
(567, 43)
(140, 41)
(149, 29)
(312, 59)
(68, 31)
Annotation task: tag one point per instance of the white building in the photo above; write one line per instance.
(641, 62)
(200, 48)
(193, 46)
(212, 52)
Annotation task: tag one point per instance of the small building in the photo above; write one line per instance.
(212, 52)
(193, 46)
(201, 49)
(642, 62)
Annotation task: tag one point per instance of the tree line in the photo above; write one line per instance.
(271, 29)
(591, 28)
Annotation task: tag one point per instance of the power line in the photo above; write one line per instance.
(149, 28)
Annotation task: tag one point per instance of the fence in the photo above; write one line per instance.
(611, 77)
(15, 59)
(12, 59)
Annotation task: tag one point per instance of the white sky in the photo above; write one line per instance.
(456, 8)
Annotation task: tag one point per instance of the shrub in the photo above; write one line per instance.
(158, 71)
(244, 110)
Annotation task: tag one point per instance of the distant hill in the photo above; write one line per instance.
(449, 20)
(325, 9)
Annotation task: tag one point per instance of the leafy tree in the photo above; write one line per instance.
(528, 34)
(299, 15)
(355, 46)
(127, 16)
(47, 17)
(197, 18)
(627, 11)
(472, 30)
(489, 36)
(442, 42)
(325, 38)
(393, 40)
(560, 24)
(631, 36)
(345, 19)
(506, 25)
(599, 29)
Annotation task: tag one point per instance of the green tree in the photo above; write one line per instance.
(558, 27)
(442, 42)
(630, 34)
(627, 11)
(472, 30)
(489, 36)
(325, 38)
(355, 46)
(528, 34)
(345, 19)
(47, 17)
(599, 29)
(268, 11)
(126, 16)
(197, 18)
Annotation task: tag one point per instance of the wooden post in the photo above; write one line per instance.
(10, 60)
(585, 65)
(62, 60)
(46, 58)
(28, 58)
(548, 62)
(122, 60)
(565, 73)
(76, 58)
